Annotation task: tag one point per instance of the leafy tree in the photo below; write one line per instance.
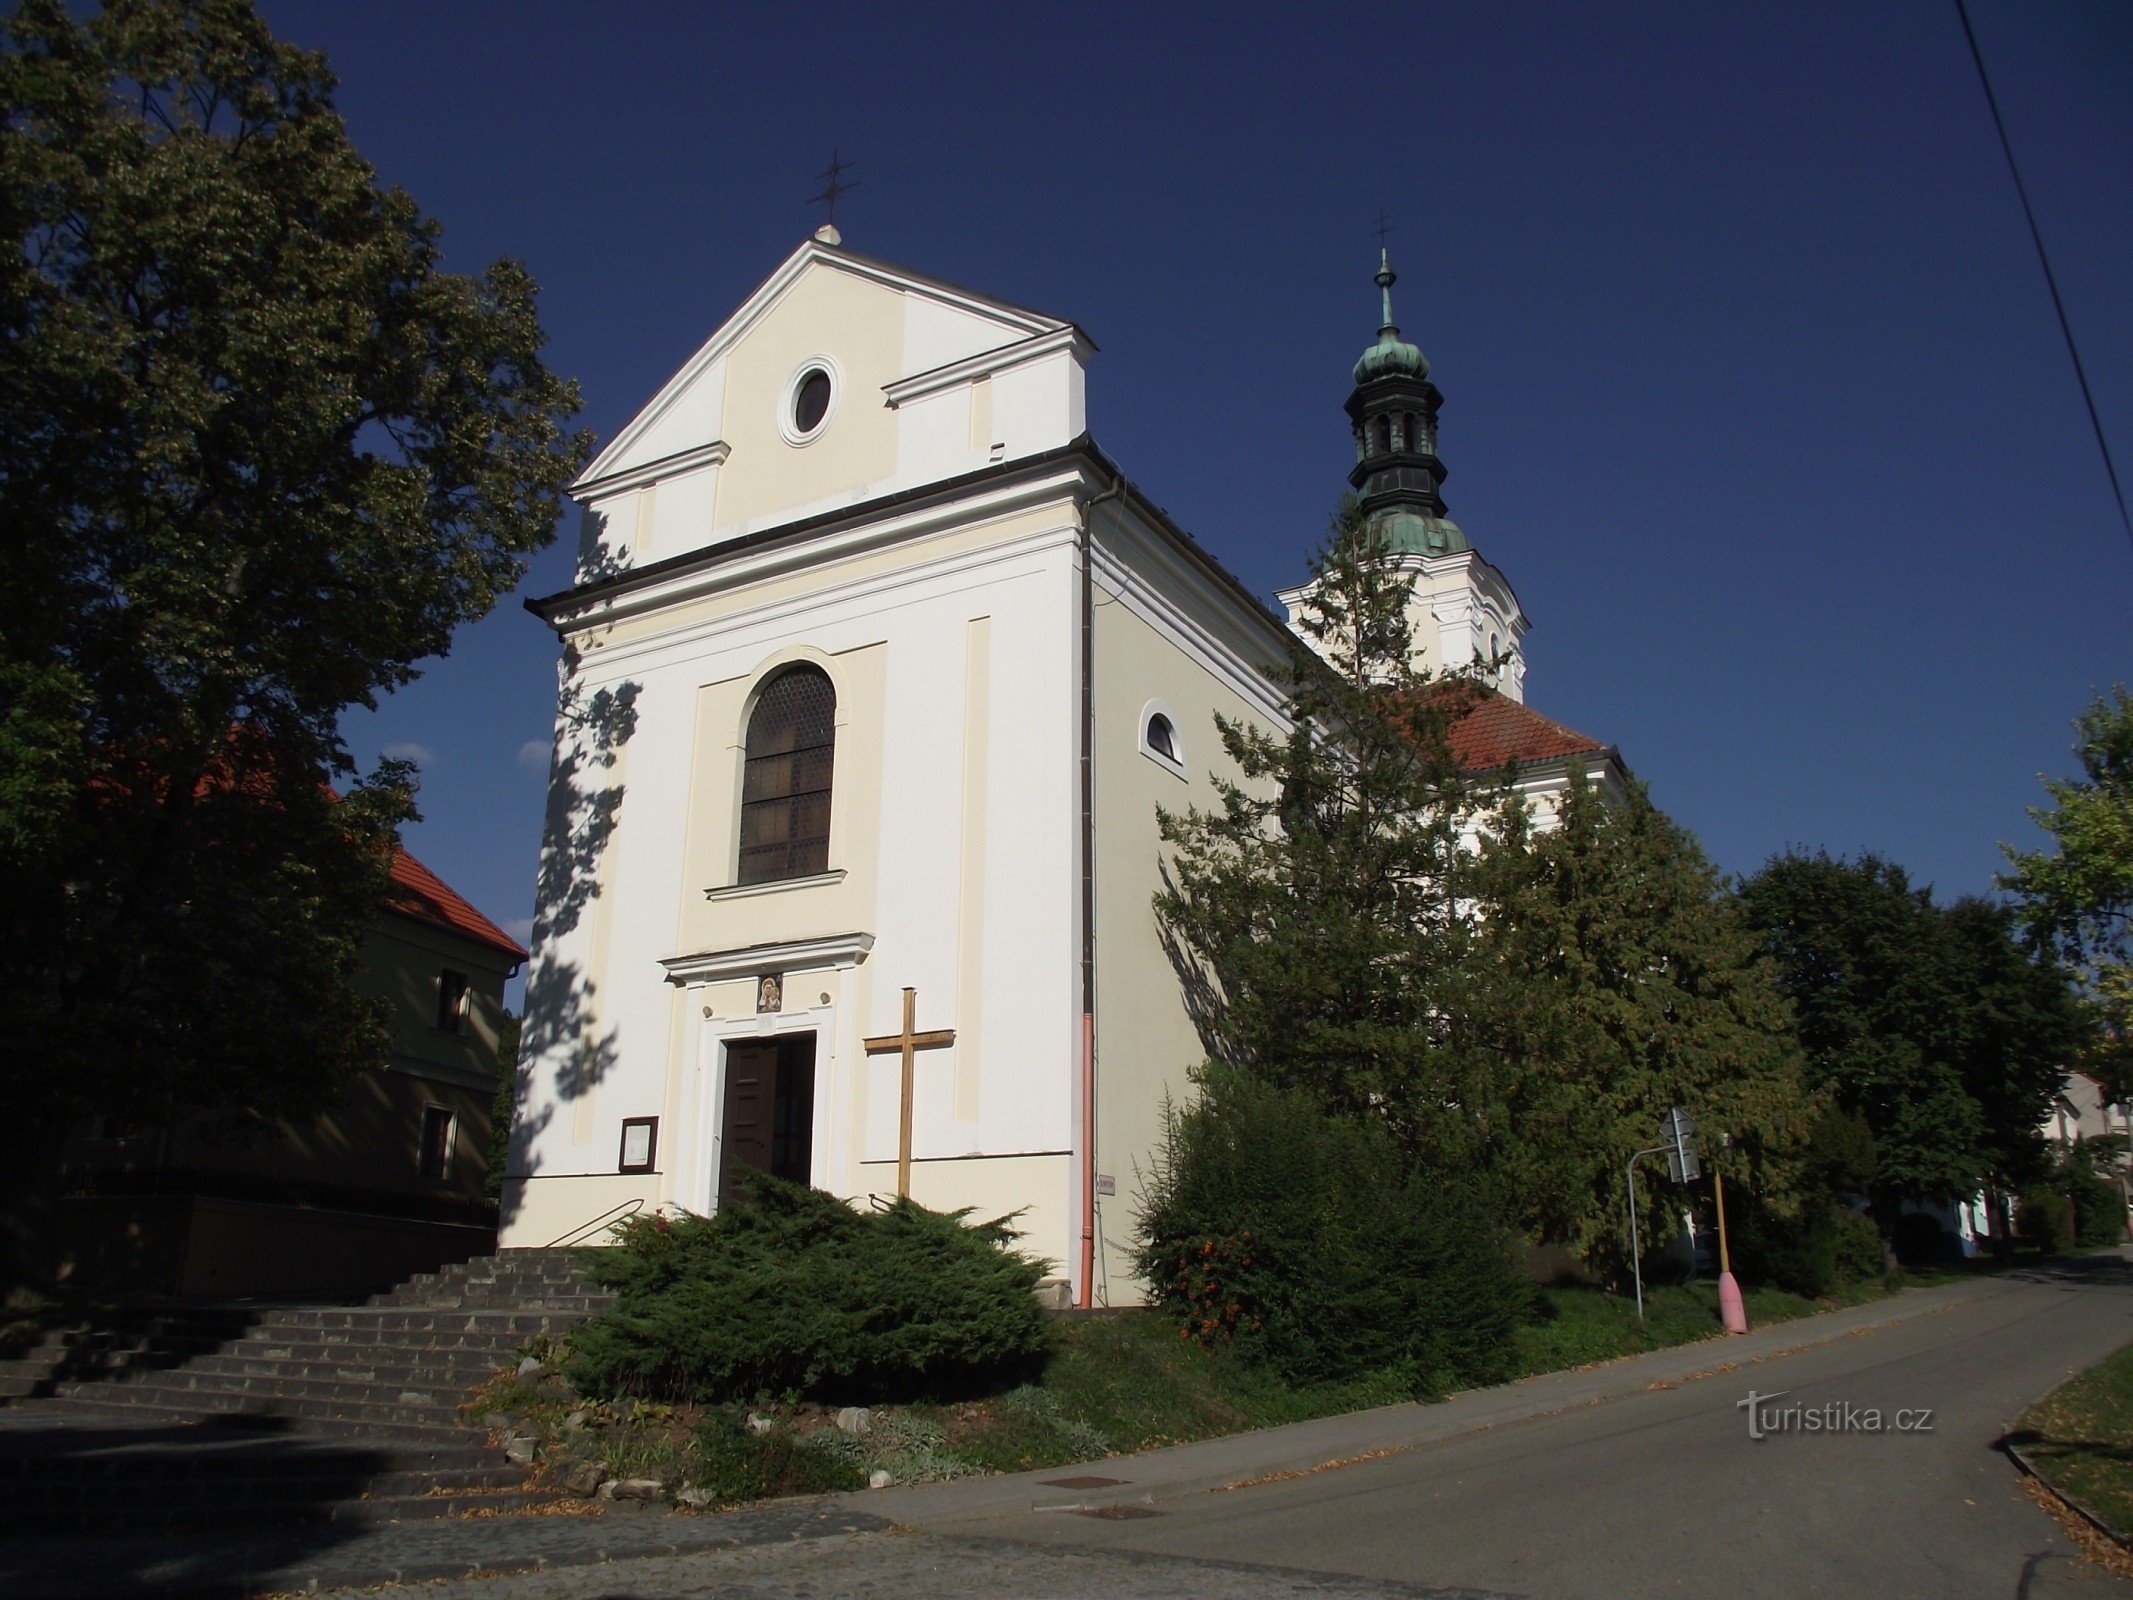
(2080, 899)
(1931, 1025)
(1621, 979)
(1316, 914)
(259, 456)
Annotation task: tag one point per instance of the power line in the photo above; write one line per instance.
(2051, 282)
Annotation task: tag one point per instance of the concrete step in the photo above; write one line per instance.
(502, 1348)
(408, 1369)
(294, 1503)
(283, 1413)
(186, 1404)
(332, 1394)
(416, 1319)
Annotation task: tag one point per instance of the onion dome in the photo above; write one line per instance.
(1391, 356)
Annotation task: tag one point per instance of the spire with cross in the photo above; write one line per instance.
(833, 185)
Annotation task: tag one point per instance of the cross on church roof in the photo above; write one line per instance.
(1384, 228)
(833, 185)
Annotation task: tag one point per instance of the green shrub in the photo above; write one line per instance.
(2099, 1204)
(2046, 1221)
(1311, 1243)
(1858, 1253)
(737, 1465)
(788, 1290)
(1811, 1252)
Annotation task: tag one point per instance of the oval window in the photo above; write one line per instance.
(810, 401)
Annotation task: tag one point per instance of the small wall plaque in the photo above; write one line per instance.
(1106, 1184)
(640, 1144)
(770, 993)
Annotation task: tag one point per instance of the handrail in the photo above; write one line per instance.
(606, 1219)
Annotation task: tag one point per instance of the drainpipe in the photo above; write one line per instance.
(1085, 1296)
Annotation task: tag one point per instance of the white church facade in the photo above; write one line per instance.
(875, 674)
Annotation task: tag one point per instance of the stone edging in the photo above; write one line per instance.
(2029, 1469)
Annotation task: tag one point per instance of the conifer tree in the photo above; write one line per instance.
(1619, 979)
(1317, 913)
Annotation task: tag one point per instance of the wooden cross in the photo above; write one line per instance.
(907, 1044)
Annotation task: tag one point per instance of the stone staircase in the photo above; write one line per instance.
(286, 1413)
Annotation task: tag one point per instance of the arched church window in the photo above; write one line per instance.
(1414, 434)
(785, 784)
(1162, 737)
(1384, 436)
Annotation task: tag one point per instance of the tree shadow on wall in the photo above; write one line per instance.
(1202, 994)
(561, 1032)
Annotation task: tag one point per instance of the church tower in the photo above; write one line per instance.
(1463, 612)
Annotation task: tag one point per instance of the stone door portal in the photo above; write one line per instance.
(769, 1119)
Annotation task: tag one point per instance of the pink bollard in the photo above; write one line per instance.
(1730, 1309)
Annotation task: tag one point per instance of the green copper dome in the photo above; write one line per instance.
(1391, 354)
(1410, 533)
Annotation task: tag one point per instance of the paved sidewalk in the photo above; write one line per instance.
(223, 1563)
(655, 1553)
(1303, 1447)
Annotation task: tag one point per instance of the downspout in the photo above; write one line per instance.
(1085, 1295)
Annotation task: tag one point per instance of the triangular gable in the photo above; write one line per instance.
(1014, 322)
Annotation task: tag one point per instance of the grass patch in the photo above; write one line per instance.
(2080, 1439)
(1582, 1327)
(1109, 1385)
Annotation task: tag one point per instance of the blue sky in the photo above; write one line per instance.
(1753, 388)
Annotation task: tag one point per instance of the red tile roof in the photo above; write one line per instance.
(1497, 731)
(419, 893)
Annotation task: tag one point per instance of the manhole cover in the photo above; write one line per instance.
(1084, 1483)
(1118, 1513)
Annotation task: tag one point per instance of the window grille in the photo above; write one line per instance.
(785, 785)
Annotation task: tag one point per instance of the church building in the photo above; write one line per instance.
(874, 675)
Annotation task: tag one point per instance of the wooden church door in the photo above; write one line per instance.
(769, 1118)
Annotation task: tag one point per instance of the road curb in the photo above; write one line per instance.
(1331, 1443)
(2020, 1458)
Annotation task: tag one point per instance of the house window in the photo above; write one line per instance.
(451, 1000)
(438, 1126)
(785, 784)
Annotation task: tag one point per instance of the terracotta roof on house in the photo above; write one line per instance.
(420, 894)
(1497, 731)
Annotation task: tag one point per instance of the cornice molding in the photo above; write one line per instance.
(835, 950)
(744, 891)
(713, 454)
(993, 492)
(989, 363)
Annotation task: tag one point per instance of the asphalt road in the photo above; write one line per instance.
(1664, 1493)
